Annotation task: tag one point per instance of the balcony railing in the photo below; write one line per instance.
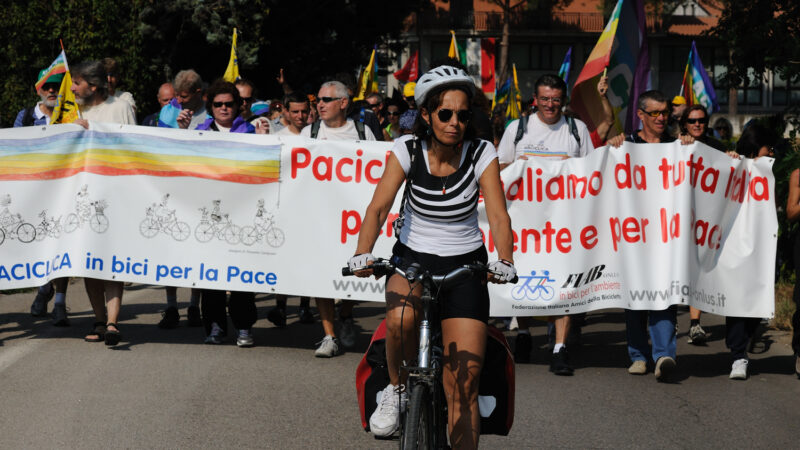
(523, 20)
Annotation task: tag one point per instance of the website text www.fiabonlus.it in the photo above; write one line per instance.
(682, 290)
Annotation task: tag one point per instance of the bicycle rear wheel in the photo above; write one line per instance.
(418, 428)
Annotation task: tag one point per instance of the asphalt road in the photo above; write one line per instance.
(165, 389)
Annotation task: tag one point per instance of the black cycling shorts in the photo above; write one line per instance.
(468, 299)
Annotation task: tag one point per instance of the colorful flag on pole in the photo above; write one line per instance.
(696, 86)
(563, 72)
(501, 93)
(513, 111)
(232, 72)
(410, 70)
(368, 81)
(66, 109)
(57, 66)
(487, 65)
(454, 51)
(622, 48)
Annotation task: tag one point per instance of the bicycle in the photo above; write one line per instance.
(168, 223)
(263, 226)
(49, 227)
(537, 291)
(424, 422)
(217, 226)
(14, 226)
(98, 221)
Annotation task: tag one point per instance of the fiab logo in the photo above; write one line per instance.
(534, 287)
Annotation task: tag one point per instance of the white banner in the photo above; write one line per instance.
(641, 227)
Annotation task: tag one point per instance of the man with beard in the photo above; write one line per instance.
(40, 113)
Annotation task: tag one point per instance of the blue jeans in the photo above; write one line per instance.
(662, 333)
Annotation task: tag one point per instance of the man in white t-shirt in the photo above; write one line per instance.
(548, 134)
(334, 125)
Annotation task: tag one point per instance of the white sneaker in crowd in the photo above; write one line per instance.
(328, 347)
(739, 369)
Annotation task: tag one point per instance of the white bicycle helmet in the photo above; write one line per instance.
(442, 76)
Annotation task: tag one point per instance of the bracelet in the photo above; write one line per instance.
(507, 262)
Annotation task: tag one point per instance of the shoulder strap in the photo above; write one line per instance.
(315, 129)
(360, 129)
(27, 118)
(522, 128)
(573, 128)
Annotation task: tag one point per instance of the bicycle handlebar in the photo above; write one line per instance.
(414, 272)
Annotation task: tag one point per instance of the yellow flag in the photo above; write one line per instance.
(232, 72)
(453, 52)
(66, 109)
(514, 99)
(367, 81)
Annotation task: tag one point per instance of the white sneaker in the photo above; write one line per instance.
(245, 339)
(328, 347)
(386, 418)
(739, 370)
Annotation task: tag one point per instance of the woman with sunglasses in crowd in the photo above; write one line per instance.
(392, 130)
(694, 122)
(448, 168)
(225, 105)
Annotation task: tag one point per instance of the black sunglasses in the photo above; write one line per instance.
(221, 104)
(463, 115)
(694, 121)
(393, 113)
(329, 99)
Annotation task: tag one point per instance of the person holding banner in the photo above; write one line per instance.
(694, 122)
(756, 141)
(90, 86)
(546, 134)
(653, 111)
(40, 114)
(225, 104)
(334, 124)
(439, 231)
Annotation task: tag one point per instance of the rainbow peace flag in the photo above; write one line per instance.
(117, 154)
(58, 66)
(622, 48)
(696, 86)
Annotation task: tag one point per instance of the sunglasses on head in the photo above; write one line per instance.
(702, 120)
(445, 115)
(329, 99)
(221, 104)
(654, 114)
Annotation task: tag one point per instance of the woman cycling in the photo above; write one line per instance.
(440, 231)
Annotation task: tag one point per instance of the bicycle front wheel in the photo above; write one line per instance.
(418, 429)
